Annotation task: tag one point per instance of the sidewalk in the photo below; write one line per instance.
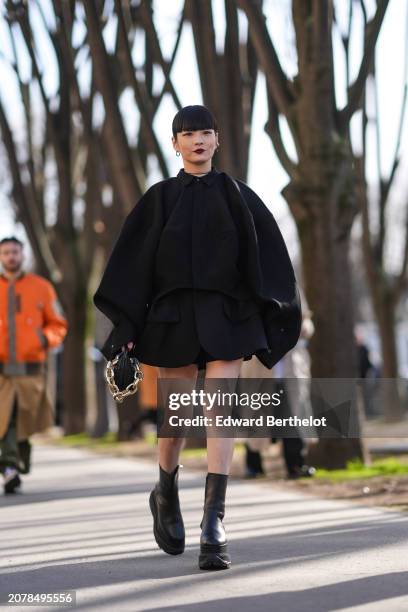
(83, 523)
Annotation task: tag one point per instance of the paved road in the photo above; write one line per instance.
(83, 523)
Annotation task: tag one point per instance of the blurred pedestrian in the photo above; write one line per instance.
(30, 325)
(367, 374)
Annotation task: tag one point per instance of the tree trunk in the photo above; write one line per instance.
(101, 425)
(328, 290)
(385, 294)
(73, 381)
(327, 279)
(391, 401)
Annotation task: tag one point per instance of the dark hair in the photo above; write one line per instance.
(191, 118)
(11, 239)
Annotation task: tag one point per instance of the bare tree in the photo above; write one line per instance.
(64, 250)
(386, 288)
(228, 86)
(228, 81)
(321, 189)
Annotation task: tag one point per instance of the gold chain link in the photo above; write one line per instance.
(118, 395)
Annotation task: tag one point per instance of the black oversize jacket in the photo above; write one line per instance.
(230, 243)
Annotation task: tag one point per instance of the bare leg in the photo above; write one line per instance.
(220, 450)
(213, 541)
(169, 448)
(168, 525)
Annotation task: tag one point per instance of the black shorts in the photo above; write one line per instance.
(189, 326)
(203, 357)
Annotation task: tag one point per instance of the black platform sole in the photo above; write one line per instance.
(168, 548)
(214, 557)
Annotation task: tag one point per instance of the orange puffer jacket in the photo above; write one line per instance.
(29, 321)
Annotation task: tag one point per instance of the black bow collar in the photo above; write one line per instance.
(208, 178)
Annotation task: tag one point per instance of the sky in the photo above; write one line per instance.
(266, 176)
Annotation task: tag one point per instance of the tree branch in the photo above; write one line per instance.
(142, 100)
(267, 55)
(272, 128)
(29, 210)
(355, 91)
(123, 173)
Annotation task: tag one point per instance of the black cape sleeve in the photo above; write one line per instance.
(125, 290)
(266, 265)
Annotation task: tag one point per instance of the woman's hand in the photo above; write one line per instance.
(129, 345)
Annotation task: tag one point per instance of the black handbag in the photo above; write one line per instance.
(123, 375)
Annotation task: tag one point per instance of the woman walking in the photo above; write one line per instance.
(199, 278)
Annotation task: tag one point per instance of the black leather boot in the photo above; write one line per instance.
(213, 542)
(168, 526)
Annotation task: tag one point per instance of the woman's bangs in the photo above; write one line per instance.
(190, 119)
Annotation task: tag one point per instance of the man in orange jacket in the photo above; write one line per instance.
(29, 326)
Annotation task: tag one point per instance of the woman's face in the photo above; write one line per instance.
(196, 147)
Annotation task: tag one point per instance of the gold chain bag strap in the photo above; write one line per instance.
(123, 375)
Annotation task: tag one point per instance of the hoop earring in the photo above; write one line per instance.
(178, 153)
